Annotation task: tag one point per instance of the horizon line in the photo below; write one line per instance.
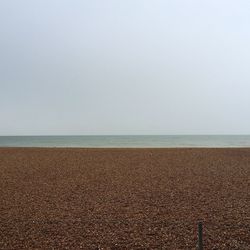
(125, 135)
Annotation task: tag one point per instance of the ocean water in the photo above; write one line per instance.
(142, 141)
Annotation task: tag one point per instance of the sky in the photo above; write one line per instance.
(124, 67)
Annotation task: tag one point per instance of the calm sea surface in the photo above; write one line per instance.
(160, 141)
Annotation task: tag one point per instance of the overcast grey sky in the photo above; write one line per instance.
(124, 67)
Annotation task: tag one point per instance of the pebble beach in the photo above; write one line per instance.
(73, 198)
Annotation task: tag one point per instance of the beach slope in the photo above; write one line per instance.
(69, 198)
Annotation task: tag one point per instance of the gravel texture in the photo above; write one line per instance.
(124, 198)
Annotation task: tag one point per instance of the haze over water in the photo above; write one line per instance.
(124, 67)
(130, 141)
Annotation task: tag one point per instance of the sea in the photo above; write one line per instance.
(127, 141)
